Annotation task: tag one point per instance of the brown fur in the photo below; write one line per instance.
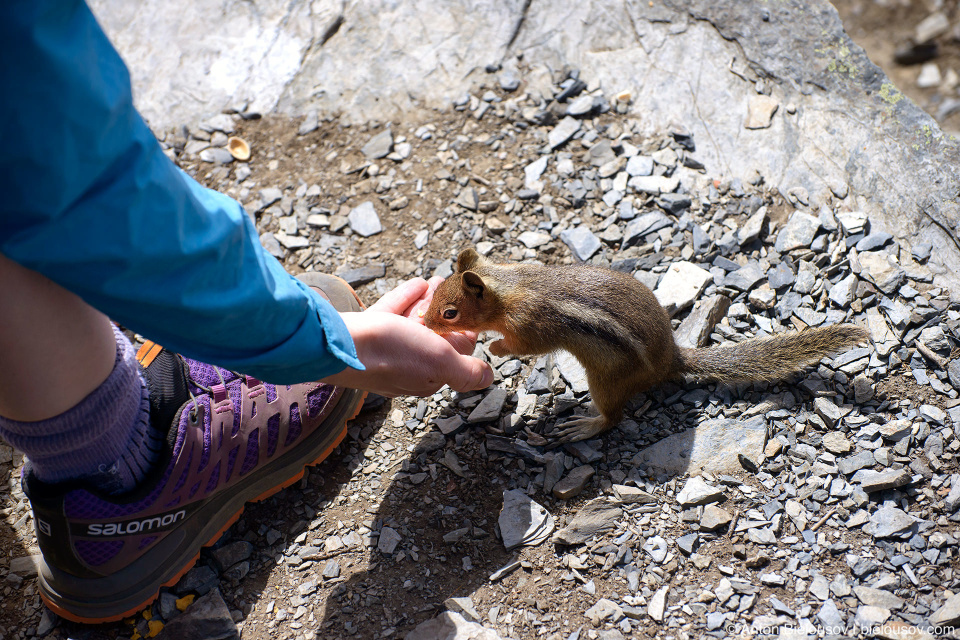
(613, 325)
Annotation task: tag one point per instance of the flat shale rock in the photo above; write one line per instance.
(695, 329)
(595, 517)
(714, 446)
(889, 521)
(949, 614)
(682, 284)
(882, 270)
(573, 483)
(451, 626)
(208, 618)
(522, 520)
(696, 492)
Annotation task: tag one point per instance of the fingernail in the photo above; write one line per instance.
(487, 379)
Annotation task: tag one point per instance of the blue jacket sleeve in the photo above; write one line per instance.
(90, 201)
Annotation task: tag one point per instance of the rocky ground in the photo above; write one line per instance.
(825, 505)
(917, 44)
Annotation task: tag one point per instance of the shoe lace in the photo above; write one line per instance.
(195, 407)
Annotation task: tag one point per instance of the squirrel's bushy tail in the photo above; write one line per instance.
(770, 358)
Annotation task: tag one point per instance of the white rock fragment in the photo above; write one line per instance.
(681, 285)
(760, 110)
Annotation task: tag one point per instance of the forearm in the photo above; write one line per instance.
(92, 203)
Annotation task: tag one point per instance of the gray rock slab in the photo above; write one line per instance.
(597, 516)
(639, 166)
(658, 603)
(533, 239)
(379, 146)
(882, 270)
(572, 484)
(208, 618)
(699, 323)
(681, 285)
(696, 491)
(889, 521)
(216, 155)
(604, 610)
(522, 519)
(642, 225)
(872, 481)
(389, 539)
(581, 241)
(364, 220)
(714, 446)
(230, 554)
(947, 615)
(533, 171)
(490, 407)
(199, 579)
(572, 371)
(836, 443)
(751, 229)
(451, 425)
(580, 106)
(632, 495)
(450, 625)
(844, 291)
(463, 606)
(359, 276)
(714, 518)
(830, 616)
(874, 241)
(563, 132)
(654, 185)
(468, 199)
(889, 151)
(799, 232)
(744, 278)
(856, 462)
(878, 598)
(870, 617)
(25, 566)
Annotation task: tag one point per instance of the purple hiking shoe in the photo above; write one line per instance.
(232, 439)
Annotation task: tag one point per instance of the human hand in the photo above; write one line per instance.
(403, 357)
(412, 298)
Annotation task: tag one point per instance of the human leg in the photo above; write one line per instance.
(55, 349)
(71, 396)
(236, 439)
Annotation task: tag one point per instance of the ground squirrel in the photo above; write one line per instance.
(613, 325)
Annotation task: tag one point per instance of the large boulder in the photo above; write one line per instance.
(840, 129)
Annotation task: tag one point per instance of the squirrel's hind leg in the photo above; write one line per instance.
(609, 398)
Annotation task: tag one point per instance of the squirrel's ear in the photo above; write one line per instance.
(473, 284)
(467, 260)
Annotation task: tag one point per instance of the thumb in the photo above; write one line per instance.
(469, 373)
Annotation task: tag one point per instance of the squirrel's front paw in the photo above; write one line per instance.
(580, 429)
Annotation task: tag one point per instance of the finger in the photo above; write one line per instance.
(464, 342)
(470, 374)
(419, 308)
(399, 300)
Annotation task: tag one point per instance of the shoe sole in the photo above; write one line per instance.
(124, 599)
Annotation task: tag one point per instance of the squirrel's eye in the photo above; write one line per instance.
(449, 314)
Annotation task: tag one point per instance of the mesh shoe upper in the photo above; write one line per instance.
(232, 425)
